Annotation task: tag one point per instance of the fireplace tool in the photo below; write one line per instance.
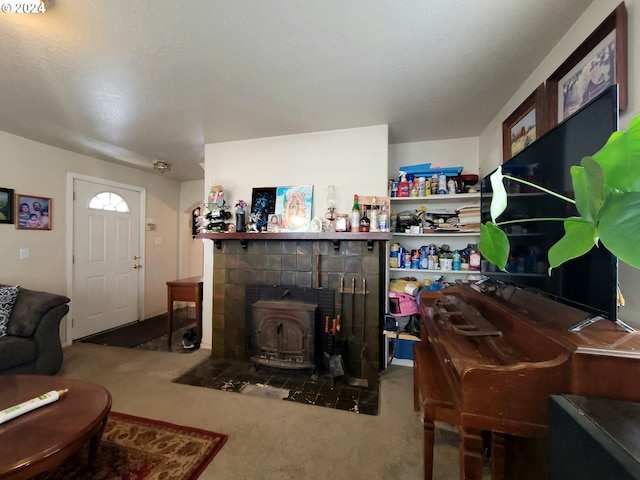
(358, 382)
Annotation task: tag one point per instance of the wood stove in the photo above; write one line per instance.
(284, 327)
(284, 334)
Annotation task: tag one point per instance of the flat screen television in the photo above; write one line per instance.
(589, 282)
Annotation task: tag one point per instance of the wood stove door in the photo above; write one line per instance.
(269, 336)
(292, 339)
(282, 336)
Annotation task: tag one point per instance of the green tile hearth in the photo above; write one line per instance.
(303, 385)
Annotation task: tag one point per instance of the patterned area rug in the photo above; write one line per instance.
(135, 448)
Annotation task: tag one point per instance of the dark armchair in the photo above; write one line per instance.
(32, 344)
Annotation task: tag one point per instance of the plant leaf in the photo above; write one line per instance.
(499, 196)
(579, 237)
(494, 245)
(581, 192)
(619, 226)
(595, 188)
(620, 159)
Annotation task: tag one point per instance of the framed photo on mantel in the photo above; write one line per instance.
(293, 207)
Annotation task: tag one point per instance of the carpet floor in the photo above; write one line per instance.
(139, 448)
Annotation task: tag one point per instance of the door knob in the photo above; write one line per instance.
(137, 265)
(136, 257)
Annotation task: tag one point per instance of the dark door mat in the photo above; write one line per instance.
(159, 344)
(302, 386)
(137, 333)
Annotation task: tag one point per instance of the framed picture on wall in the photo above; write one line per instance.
(33, 213)
(6, 205)
(525, 125)
(599, 62)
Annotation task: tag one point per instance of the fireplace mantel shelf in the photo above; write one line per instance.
(335, 237)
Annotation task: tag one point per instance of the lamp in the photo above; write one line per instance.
(161, 166)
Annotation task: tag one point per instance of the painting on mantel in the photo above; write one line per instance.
(293, 207)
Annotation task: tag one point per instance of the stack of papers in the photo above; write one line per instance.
(469, 217)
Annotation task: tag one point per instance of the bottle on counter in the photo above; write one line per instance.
(383, 218)
(374, 216)
(365, 223)
(355, 215)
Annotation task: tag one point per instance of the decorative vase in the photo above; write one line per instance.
(240, 219)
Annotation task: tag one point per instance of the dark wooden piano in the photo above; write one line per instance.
(490, 356)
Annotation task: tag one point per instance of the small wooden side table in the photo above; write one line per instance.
(184, 290)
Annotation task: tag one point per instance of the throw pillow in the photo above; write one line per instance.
(8, 297)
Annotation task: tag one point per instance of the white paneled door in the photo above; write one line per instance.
(106, 257)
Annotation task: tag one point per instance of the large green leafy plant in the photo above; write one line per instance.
(607, 198)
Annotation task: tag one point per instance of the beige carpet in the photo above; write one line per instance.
(269, 439)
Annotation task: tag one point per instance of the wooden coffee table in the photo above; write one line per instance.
(41, 439)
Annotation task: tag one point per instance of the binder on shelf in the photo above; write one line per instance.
(425, 170)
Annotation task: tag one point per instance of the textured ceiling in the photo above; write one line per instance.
(131, 81)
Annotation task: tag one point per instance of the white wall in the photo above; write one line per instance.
(354, 160)
(191, 249)
(34, 168)
(490, 141)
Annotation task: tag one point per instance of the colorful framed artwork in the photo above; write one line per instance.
(263, 204)
(599, 62)
(525, 124)
(293, 207)
(33, 213)
(6, 205)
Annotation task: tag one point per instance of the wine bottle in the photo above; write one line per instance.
(374, 216)
(365, 223)
(355, 215)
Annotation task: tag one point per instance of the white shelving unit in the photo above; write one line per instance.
(455, 240)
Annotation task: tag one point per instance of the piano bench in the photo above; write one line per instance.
(431, 392)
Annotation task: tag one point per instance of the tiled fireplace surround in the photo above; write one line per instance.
(301, 263)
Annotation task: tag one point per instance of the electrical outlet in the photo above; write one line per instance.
(24, 253)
